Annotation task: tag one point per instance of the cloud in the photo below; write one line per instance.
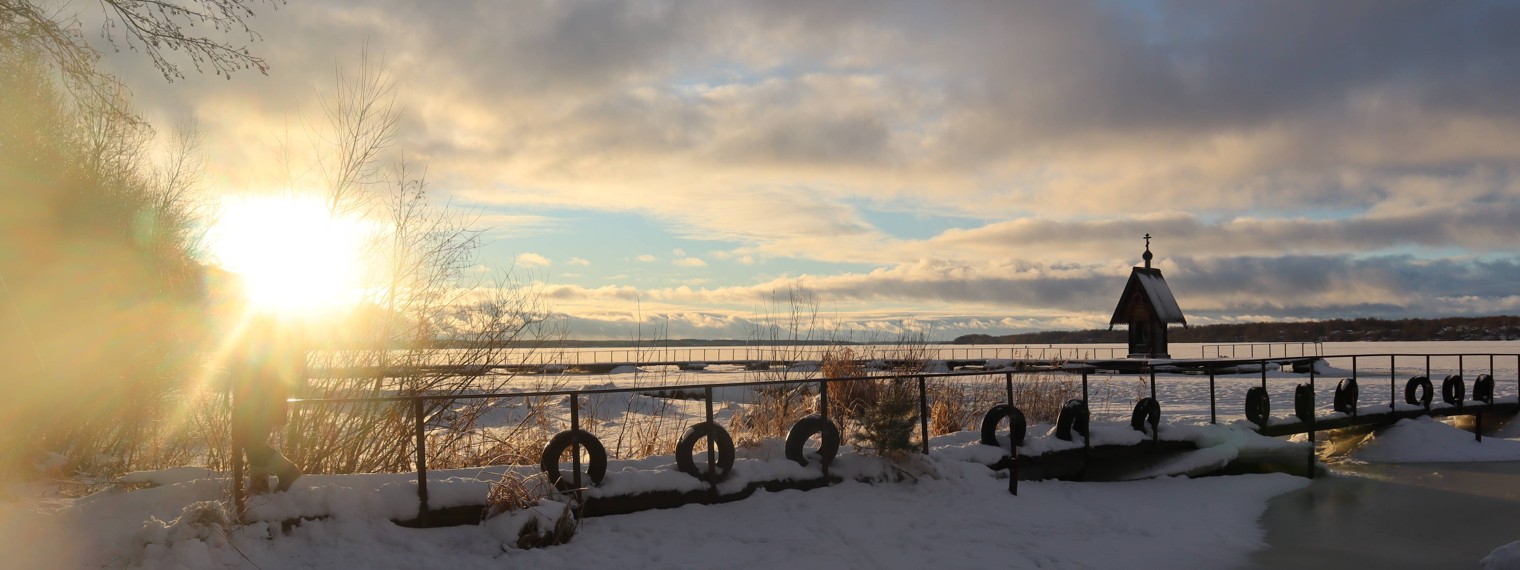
(646, 258)
(1290, 159)
(690, 262)
(1013, 294)
(533, 260)
(578, 262)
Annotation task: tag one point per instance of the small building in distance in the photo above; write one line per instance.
(1147, 307)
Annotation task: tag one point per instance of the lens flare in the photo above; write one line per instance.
(293, 255)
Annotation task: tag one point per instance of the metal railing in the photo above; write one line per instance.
(1309, 425)
(1261, 349)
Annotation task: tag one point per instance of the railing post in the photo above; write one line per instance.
(1393, 382)
(422, 488)
(1353, 377)
(1084, 386)
(823, 402)
(1312, 417)
(575, 443)
(1213, 406)
(712, 452)
(1013, 447)
(923, 412)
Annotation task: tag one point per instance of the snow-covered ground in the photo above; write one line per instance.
(951, 510)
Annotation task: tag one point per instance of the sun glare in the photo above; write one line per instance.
(294, 257)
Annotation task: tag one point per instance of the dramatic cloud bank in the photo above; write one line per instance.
(982, 166)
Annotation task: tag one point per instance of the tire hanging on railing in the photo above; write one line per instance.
(1483, 389)
(1345, 397)
(596, 464)
(806, 428)
(1073, 418)
(1016, 425)
(686, 450)
(1453, 391)
(1147, 412)
(1303, 402)
(1426, 391)
(1258, 406)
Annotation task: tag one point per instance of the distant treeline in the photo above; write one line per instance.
(1337, 330)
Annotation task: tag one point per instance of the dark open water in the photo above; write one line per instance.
(1388, 516)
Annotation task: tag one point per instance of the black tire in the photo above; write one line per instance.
(1453, 391)
(1303, 402)
(1017, 426)
(596, 466)
(1147, 411)
(1424, 387)
(686, 450)
(1258, 406)
(1483, 389)
(806, 428)
(1345, 397)
(1073, 418)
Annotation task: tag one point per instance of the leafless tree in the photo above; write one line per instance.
(431, 327)
(205, 31)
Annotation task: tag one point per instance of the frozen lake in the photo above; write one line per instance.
(1416, 516)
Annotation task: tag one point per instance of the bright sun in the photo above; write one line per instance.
(295, 258)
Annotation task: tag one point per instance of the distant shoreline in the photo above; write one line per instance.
(1497, 328)
(1333, 330)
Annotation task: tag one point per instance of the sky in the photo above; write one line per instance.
(667, 169)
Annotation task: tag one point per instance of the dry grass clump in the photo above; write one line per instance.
(515, 492)
(1040, 396)
(771, 415)
(525, 502)
(959, 404)
(521, 446)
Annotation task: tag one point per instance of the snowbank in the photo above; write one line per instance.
(1427, 440)
(956, 514)
(1505, 557)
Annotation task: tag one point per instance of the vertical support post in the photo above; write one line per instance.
(1263, 375)
(1427, 366)
(1087, 437)
(422, 488)
(1156, 433)
(1013, 447)
(1312, 417)
(823, 398)
(1084, 386)
(1393, 382)
(575, 443)
(823, 402)
(1213, 406)
(1478, 427)
(712, 452)
(1353, 377)
(923, 413)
